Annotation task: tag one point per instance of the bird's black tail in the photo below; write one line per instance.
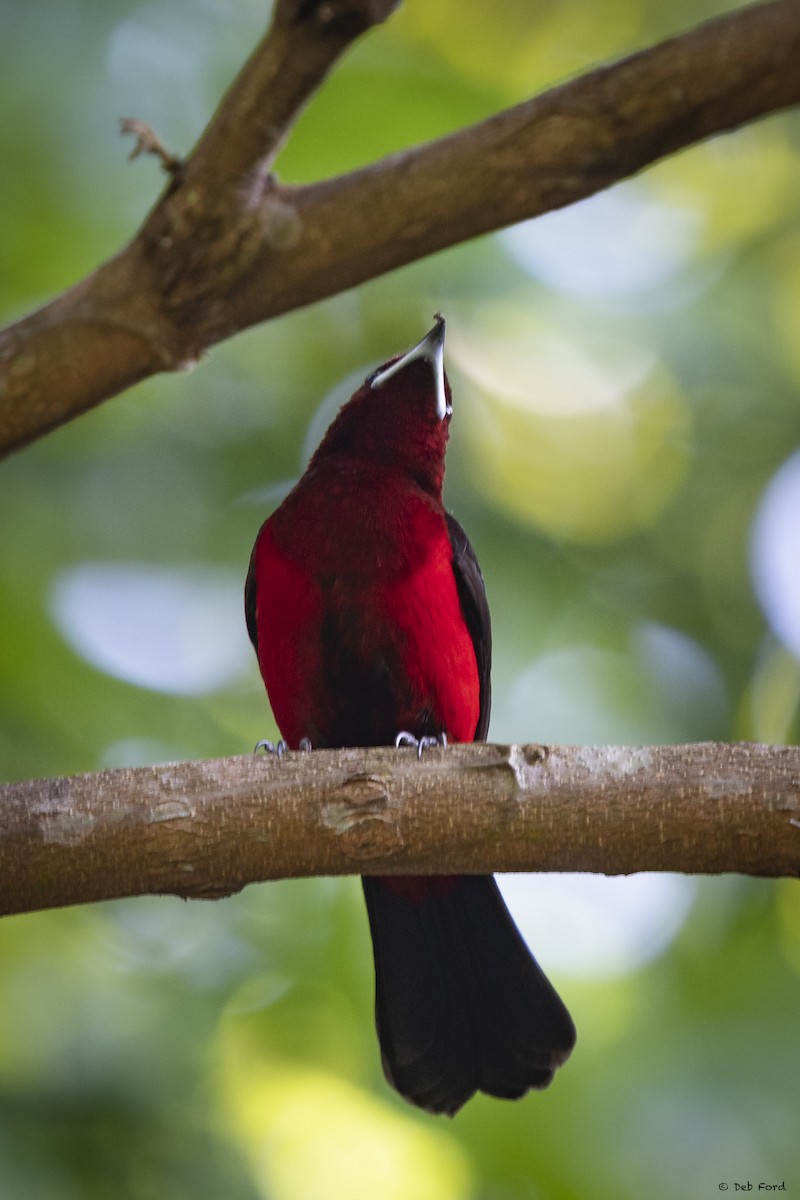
(461, 1005)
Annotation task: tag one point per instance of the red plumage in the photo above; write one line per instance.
(367, 609)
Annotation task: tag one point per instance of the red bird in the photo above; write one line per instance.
(368, 613)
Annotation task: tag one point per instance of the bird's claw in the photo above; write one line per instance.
(281, 747)
(424, 743)
(270, 747)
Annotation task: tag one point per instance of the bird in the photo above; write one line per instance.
(368, 613)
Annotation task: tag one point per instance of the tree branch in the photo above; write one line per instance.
(305, 39)
(205, 829)
(227, 246)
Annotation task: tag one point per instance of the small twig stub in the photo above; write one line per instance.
(148, 142)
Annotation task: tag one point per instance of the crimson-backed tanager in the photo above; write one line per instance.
(368, 612)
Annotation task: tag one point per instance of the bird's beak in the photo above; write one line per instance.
(430, 350)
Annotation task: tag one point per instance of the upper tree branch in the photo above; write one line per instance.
(227, 246)
(206, 829)
(305, 39)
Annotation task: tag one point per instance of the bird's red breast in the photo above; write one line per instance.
(361, 633)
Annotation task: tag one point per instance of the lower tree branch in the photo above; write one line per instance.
(228, 246)
(205, 829)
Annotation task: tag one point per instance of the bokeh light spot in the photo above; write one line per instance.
(313, 1136)
(598, 927)
(615, 243)
(176, 630)
(665, 687)
(585, 440)
(776, 553)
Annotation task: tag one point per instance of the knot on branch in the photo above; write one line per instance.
(203, 246)
(359, 811)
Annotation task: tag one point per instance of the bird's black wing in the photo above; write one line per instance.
(475, 607)
(250, 600)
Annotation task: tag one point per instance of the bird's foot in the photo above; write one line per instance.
(424, 743)
(280, 748)
(268, 747)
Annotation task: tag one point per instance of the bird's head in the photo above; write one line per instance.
(400, 416)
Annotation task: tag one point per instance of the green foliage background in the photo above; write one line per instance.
(626, 387)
